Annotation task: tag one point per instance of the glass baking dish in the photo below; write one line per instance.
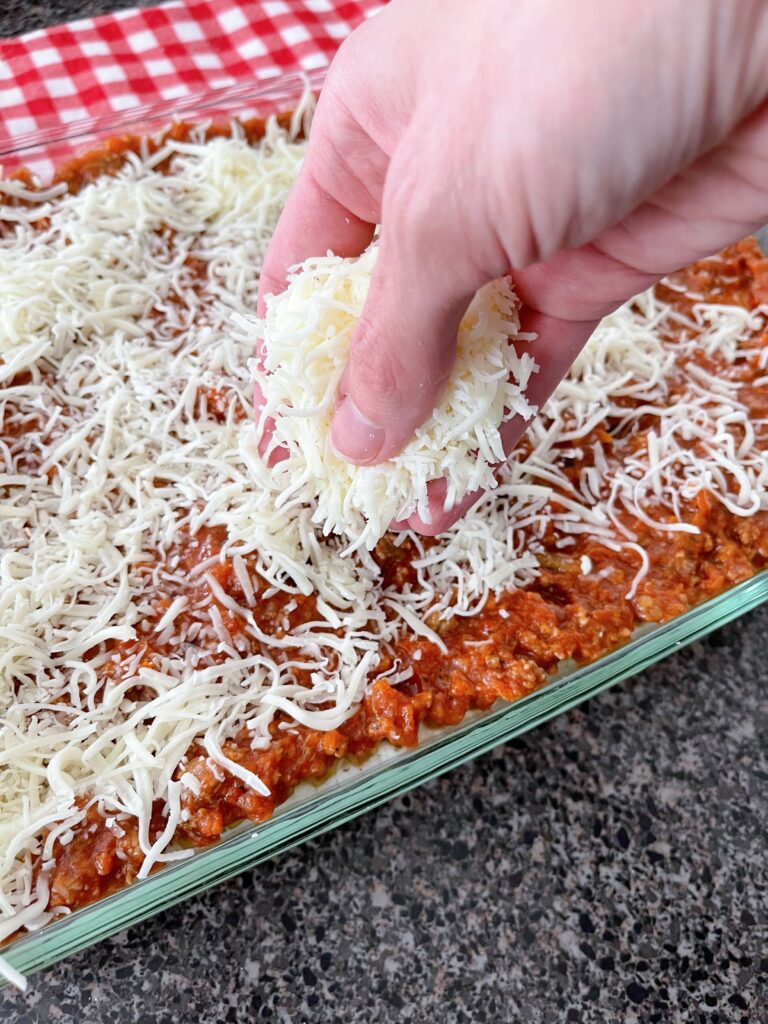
(351, 790)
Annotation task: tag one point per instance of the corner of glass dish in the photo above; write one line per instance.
(46, 146)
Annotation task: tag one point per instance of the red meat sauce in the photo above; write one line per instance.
(110, 156)
(505, 652)
(526, 634)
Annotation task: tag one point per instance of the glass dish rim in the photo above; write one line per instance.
(248, 845)
(283, 86)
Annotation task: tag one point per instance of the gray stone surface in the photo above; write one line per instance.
(18, 16)
(609, 866)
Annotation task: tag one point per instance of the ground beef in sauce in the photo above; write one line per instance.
(505, 652)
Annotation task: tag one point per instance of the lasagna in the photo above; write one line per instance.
(178, 651)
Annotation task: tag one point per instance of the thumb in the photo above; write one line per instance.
(404, 347)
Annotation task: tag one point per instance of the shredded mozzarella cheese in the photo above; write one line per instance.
(306, 335)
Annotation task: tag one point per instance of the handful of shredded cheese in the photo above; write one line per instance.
(306, 336)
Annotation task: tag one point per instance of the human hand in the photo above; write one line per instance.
(590, 148)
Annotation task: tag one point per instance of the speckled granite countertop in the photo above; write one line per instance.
(608, 867)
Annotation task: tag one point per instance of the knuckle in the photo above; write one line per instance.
(429, 211)
(412, 200)
(377, 375)
(341, 72)
(348, 80)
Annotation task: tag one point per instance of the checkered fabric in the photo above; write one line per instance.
(56, 76)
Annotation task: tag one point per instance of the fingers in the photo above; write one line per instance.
(312, 223)
(557, 345)
(336, 200)
(401, 356)
(404, 346)
(718, 199)
(441, 519)
(267, 430)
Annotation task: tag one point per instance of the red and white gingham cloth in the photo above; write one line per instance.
(94, 66)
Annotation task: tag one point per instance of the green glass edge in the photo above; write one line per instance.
(409, 769)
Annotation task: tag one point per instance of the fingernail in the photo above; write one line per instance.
(353, 436)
